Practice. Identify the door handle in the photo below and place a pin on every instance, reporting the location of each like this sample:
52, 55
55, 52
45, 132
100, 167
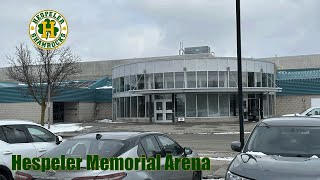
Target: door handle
7, 153
42, 150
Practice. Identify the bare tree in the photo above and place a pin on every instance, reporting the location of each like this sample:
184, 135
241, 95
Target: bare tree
45, 74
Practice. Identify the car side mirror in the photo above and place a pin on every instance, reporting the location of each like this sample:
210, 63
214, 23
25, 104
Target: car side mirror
58, 140
236, 146
187, 151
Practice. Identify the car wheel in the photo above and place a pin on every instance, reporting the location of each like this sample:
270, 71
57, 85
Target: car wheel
2, 177
197, 175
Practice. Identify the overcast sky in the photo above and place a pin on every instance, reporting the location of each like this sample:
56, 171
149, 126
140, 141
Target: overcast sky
114, 29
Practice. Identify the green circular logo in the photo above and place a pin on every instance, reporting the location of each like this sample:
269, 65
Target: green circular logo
48, 29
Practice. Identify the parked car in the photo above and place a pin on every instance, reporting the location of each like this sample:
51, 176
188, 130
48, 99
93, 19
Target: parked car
117, 144
23, 138
313, 112
279, 148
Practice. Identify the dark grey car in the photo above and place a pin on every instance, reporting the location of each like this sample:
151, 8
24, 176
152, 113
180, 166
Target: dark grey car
117, 144
279, 148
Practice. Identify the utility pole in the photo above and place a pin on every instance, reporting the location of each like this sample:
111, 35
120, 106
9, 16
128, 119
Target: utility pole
240, 93
49, 99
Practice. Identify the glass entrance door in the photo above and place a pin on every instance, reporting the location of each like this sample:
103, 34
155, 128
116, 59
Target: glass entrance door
163, 110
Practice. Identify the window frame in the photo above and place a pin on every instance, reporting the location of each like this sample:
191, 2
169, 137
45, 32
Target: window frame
22, 128
162, 147
143, 149
26, 128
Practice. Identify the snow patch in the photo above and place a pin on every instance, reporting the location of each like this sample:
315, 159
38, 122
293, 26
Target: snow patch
221, 133
314, 157
256, 153
105, 87
59, 128
108, 121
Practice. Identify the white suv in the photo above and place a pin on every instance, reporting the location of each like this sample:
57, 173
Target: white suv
23, 138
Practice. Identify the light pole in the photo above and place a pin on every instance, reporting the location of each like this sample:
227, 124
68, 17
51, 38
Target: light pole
240, 93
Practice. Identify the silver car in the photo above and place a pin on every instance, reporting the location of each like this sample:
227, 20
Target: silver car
117, 144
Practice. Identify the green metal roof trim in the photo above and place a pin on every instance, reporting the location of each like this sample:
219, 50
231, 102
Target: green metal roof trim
68, 94
299, 82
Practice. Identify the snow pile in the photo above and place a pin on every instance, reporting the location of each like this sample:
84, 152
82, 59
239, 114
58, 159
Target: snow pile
256, 153
105, 87
226, 133
314, 157
221, 158
59, 128
107, 121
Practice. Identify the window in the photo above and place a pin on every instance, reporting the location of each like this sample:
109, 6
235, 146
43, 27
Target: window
122, 107
202, 105
150, 146
140, 81
179, 77
121, 84
168, 80
126, 83
170, 147
259, 79
158, 80
201, 79
15, 134
127, 106
2, 137
133, 82
213, 105
224, 104
191, 105
264, 80
141, 105
212, 79
269, 80
233, 79
223, 79
234, 110
244, 79
134, 106
39, 134
250, 79
148, 81
180, 102
191, 79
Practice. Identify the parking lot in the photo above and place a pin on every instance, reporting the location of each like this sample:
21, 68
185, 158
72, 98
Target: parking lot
208, 139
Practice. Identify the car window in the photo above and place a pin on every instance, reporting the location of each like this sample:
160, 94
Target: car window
170, 146
313, 112
2, 137
150, 146
39, 134
15, 134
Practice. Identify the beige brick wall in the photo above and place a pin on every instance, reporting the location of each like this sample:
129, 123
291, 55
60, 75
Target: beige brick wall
71, 112
23, 111
103, 111
86, 112
293, 104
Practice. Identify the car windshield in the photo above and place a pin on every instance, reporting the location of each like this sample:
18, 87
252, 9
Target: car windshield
83, 147
285, 141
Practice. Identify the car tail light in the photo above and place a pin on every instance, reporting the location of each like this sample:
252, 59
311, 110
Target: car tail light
22, 176
115, 176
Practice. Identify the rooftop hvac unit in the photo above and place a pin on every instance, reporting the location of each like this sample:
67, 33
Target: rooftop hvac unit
197, 50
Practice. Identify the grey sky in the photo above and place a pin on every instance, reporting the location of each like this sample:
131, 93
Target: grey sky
113, 29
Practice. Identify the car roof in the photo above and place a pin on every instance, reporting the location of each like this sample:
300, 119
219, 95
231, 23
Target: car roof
292, 121
115, 135
15, 122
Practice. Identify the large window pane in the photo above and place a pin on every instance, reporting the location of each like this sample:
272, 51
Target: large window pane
148, 81
114, 86
127, 107
201, 79
179, 80
134, 106
233, 79
269, 80
126, 83
191, 105
180, 104
168, 80
202, 105
118, 107
244, 79
140, 81
191, 79
122, 107
121, 84
133, 82
158, 80
224, 104
250, 79
234, 110
141, 105
213, 105
223, 78
258, 79
264, 80
212, 79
